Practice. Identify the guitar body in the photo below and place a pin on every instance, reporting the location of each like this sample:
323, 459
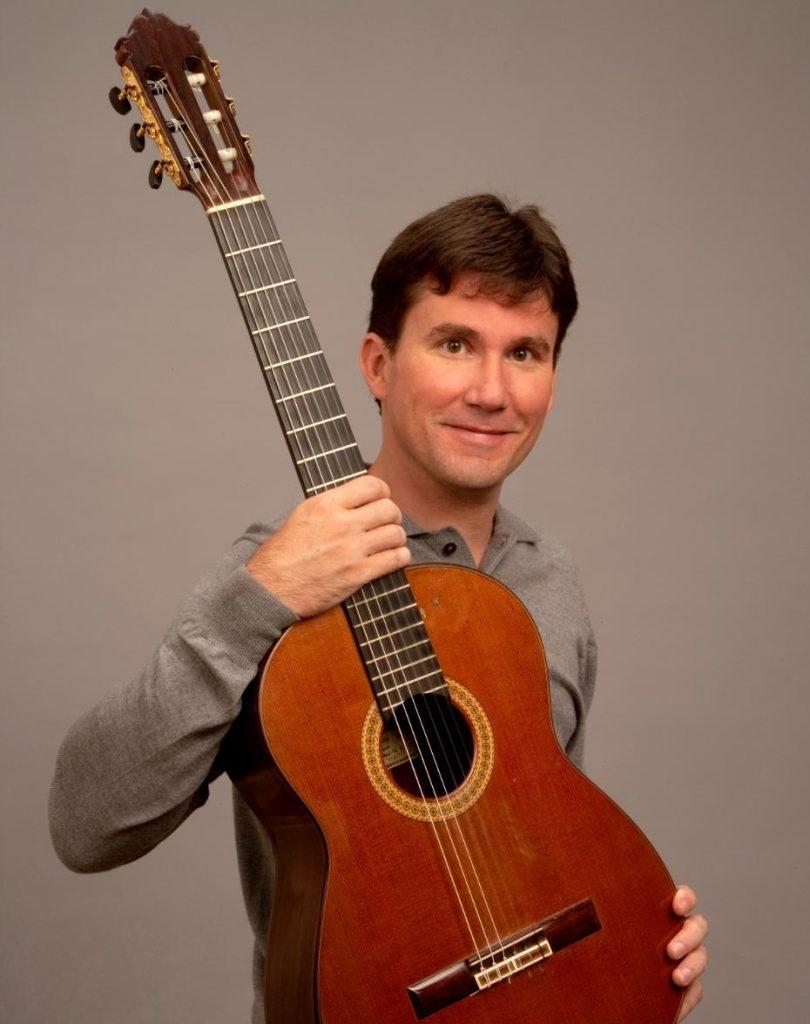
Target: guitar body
364, 907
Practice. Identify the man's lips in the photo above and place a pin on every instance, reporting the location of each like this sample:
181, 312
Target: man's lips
472, 428
482, 438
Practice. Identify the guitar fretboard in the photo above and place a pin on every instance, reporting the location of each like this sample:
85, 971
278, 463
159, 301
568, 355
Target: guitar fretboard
309, 408
388, 627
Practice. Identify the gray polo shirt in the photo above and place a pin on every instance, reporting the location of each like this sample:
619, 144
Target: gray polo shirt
133, 767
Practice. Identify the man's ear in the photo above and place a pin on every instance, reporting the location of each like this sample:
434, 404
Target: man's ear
374, 360
553, 391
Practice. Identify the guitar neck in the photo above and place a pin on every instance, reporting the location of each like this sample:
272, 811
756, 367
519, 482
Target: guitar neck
390, 634
309, 409
175, 85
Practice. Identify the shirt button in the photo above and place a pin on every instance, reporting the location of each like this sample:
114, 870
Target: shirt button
449, 549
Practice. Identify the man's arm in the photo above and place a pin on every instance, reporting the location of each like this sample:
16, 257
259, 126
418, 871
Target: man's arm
132, 768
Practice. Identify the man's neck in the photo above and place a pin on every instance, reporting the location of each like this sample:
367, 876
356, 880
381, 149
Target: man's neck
433, 506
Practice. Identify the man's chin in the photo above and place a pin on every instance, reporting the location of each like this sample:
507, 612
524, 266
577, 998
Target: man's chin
475, 476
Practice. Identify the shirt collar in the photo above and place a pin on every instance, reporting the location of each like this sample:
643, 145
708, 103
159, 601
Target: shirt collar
507, 526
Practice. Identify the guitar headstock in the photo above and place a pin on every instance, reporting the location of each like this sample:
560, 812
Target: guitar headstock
175, 86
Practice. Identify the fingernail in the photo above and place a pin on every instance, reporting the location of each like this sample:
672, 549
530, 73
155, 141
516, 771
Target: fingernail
676, 949
685, 973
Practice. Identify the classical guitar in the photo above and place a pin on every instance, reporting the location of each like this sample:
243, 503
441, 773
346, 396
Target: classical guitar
439, 858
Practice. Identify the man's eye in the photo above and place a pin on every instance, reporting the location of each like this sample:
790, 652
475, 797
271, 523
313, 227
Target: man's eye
523, 354
453, 344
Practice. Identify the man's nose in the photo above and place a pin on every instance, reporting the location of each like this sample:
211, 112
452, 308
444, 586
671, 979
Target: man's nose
487, 388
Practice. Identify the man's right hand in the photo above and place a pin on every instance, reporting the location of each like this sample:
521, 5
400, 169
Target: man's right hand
331, 545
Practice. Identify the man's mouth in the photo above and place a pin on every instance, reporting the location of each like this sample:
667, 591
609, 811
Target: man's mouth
474, 429
478, 435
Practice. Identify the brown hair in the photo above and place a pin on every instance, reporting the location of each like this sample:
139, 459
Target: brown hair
516, 253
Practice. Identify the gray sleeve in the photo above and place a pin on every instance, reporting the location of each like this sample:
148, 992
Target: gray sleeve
133, 767
587, 656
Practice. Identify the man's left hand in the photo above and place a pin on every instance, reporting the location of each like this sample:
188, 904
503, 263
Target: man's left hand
688, 948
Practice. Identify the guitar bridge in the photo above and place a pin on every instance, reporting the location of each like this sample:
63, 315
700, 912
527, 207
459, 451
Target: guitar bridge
513, 957
503, 960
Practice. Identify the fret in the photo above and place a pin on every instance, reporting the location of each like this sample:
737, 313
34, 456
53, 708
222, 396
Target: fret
251, 248
394, 704
265, 288
390, 633
410, 682
401, 668
376, 618
317, 423
309, 391
275, 327
320, 455
294, 359
377, 597
331, 483
399, 650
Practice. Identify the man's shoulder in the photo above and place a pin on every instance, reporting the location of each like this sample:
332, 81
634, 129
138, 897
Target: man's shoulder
546, 547
541, 566
546, 576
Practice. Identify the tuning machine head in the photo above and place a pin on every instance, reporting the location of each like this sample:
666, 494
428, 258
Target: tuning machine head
120, 100
137, 137
156, 174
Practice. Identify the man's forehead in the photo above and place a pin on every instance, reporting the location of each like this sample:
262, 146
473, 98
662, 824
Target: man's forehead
430, 304
471, 285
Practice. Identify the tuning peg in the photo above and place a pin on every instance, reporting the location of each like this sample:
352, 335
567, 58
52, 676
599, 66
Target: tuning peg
231, 105
156, 174
248, 142
215, 66
137, 137
119, 100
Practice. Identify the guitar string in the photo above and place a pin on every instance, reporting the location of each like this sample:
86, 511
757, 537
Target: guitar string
355, 607
256, 321
324, 483
482, 836
354, 604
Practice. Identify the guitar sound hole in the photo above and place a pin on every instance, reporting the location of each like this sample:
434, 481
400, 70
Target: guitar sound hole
429, 751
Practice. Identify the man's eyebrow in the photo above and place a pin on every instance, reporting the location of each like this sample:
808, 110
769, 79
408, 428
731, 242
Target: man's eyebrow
459, 330
535, 341
463, 331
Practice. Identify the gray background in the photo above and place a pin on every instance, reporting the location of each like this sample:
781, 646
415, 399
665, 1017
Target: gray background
669, 143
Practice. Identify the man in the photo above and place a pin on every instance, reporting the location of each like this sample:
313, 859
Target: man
470, 307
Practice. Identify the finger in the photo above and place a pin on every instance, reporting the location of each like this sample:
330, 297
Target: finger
377, 513
692, 996
384, 537
684, 900
691, 967
386, 561
694, 931
360, 491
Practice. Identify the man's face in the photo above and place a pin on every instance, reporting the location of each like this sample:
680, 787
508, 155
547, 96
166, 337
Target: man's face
467, 389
